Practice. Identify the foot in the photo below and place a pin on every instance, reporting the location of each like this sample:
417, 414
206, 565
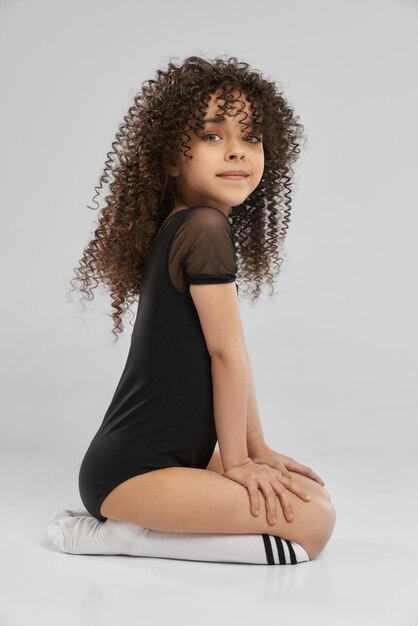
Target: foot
78, 532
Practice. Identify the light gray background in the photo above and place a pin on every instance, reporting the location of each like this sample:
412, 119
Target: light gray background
334, 353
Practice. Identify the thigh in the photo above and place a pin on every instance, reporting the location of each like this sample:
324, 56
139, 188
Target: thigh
190, 500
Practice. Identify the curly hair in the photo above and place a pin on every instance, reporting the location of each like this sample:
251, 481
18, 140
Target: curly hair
142, 193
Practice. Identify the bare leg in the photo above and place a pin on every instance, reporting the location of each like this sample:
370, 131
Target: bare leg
189, 500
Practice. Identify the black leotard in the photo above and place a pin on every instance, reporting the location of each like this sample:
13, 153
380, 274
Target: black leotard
161, 414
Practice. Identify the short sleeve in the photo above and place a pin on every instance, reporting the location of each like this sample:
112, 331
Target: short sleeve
202, 249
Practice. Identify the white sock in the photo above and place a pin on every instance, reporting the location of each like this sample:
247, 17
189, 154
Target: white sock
78, 532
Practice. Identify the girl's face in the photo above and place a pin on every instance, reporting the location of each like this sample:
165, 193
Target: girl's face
220, 147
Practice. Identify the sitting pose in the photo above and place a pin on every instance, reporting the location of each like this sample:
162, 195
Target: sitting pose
200, 196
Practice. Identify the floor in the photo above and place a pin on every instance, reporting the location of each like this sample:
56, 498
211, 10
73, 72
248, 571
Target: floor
366, 574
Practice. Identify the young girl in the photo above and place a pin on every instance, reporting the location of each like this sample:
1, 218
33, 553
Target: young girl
201, 174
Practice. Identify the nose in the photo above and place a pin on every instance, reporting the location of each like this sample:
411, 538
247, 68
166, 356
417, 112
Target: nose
235, 150
235, 154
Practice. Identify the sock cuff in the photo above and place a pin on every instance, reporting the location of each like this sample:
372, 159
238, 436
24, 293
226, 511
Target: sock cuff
283, 551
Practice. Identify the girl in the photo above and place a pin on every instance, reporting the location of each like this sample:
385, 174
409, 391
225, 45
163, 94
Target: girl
201, 173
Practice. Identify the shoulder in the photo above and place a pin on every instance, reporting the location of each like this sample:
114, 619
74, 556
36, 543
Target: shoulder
204, 232
207, 217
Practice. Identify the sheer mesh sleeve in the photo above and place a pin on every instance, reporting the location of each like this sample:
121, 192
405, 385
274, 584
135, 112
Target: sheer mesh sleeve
202, 249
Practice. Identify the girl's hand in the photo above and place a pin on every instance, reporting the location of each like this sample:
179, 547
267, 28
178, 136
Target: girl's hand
255, 477
283, 463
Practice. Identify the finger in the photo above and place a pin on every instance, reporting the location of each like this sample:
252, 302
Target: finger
311, 474
254, 500
297, 489
305, 471
271, 502
317, 478
284, 500
281, 468
285, 471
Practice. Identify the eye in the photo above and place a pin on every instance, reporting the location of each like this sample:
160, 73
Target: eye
258, 139
208, 135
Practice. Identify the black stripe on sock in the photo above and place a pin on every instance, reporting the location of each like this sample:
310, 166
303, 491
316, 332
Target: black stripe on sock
280, 550
268, 549
293, 558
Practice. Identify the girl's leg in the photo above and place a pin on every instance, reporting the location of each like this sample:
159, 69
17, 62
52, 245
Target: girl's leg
189, 500
76, 532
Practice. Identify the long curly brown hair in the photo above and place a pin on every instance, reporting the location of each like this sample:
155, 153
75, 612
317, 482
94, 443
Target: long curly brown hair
141, 193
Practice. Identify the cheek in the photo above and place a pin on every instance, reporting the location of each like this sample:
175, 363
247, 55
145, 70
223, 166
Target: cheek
203, 163
199, 154
196, 172
260, 165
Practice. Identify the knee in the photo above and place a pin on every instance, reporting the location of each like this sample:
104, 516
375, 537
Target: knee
313, 488
321, 528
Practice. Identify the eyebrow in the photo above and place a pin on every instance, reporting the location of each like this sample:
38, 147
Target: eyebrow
216, 119
213, 119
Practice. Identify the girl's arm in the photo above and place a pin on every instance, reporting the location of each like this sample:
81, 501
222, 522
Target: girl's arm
218, 309
230, 396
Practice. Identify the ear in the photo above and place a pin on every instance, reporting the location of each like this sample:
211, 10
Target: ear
172, 169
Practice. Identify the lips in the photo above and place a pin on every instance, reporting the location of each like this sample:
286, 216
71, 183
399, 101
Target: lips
235, 173
232, 178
